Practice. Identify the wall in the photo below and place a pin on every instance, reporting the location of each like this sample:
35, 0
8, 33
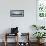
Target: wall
24, 23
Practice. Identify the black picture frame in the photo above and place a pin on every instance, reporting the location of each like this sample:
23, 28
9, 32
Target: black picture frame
17, 13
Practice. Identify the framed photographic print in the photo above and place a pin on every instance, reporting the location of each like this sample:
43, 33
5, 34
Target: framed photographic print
17, 13
41, 8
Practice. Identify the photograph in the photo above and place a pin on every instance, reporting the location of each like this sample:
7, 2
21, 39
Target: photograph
17, 13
